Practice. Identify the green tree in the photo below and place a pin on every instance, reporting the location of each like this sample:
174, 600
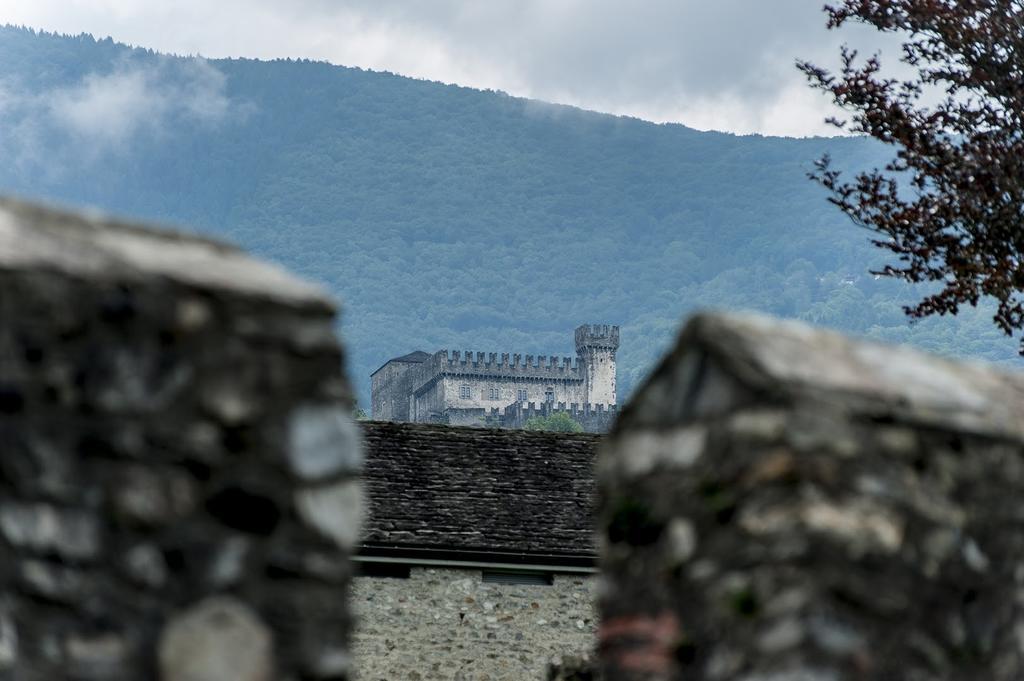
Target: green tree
559, 422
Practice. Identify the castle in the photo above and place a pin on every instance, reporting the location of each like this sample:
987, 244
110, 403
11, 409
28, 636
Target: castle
483, 390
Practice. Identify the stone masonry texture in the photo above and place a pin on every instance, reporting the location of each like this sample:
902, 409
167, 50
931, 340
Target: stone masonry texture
179, 486
780, 503
447, 624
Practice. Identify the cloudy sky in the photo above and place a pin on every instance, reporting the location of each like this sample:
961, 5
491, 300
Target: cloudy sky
710, 64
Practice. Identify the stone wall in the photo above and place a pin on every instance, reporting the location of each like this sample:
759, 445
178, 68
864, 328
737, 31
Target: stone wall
564, 390
178, 489
444, 623
782, 503
592, 418
596, 345
391, 390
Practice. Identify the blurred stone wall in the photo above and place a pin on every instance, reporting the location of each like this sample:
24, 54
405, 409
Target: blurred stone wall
782, 503
178, 470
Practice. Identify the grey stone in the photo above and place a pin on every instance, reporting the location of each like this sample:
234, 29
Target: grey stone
8, 642
71, 533
145, 564
228, 564
763, 425
218, 639
836, 637
192, 315
331, 663
335, 510
153, 496
322, 442
643, 452
681, 541
230, 402
786, 633
805, 674
974, 556
96, 656
53, 582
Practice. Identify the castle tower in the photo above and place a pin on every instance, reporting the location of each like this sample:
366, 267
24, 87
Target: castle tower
596, 345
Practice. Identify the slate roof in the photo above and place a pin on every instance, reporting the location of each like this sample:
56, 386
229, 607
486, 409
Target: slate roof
726, 361
479, 494
414, 357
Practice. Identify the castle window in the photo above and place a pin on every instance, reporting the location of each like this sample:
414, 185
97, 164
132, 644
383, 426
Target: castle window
464, 392
495, 393
521, 395
549, 395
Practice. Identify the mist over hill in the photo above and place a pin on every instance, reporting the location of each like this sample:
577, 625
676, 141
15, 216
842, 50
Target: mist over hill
449, 217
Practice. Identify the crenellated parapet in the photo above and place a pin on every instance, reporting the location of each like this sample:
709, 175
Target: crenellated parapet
512, 365
531, 409
601, 336
595, 418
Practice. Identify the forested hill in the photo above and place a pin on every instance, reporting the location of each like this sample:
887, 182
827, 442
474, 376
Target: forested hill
449, 217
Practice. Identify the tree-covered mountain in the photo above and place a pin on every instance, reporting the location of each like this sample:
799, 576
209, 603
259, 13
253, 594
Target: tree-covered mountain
449, 217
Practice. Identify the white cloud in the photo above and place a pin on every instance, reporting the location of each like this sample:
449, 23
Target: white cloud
724, 64
107, 112
110, 109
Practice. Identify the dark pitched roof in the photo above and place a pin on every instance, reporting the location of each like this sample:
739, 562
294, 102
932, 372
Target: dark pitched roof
414, 357
475, 493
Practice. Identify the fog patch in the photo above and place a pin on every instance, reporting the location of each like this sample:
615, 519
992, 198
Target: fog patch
49, 131
110, 110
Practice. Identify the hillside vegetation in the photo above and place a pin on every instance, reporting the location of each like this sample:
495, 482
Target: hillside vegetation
449, 217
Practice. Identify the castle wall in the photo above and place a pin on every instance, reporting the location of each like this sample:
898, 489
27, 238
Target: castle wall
596, 345
592, 418
492, 364
427, 405
599, 384
508, 388
443, 623
391, 386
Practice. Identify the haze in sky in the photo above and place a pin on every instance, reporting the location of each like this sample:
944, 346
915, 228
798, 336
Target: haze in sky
709, 64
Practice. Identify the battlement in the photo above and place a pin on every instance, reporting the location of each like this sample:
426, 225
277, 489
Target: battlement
594, 418
548, 408
597, 336
506, 363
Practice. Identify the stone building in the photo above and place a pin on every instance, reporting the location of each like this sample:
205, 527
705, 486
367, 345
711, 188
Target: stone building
483, 389
477, 555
